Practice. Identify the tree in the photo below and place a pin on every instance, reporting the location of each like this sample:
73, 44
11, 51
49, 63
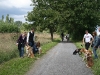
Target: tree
43, 16
7, 18
83, 15
3, 18
75, 16
18, 23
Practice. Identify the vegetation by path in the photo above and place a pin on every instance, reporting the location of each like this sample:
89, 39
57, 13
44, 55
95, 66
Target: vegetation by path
96, 67
19, 66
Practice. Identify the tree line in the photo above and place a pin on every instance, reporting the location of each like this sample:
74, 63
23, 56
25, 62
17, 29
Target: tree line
8, 25
72, 16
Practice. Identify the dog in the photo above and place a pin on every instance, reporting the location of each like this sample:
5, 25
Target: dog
83, 50
88, 56
29, 51
77, 51
38, 47
89, 59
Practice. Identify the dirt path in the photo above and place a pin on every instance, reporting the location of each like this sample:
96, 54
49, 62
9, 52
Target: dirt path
60, 61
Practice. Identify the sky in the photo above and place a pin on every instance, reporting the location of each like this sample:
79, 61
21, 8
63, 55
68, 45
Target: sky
16, 9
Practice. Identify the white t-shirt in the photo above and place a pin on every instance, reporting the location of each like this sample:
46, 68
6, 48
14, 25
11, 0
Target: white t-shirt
88, 37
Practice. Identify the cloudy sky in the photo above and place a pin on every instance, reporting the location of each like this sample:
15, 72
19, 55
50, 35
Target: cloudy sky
16, 9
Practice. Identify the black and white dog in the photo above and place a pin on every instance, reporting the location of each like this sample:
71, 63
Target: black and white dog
77, 51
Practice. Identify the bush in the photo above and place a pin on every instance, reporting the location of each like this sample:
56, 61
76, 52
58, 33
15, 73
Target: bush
8, 28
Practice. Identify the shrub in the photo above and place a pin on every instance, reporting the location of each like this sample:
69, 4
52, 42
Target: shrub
8, 28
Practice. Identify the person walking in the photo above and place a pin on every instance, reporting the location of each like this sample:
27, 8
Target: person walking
95, 41
87, 39
21, 44
62, 36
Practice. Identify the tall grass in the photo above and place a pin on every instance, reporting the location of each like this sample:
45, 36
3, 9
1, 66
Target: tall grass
19, 66
8, 48
96, 67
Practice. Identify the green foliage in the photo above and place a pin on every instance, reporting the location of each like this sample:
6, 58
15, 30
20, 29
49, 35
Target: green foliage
75, 16
96, 67
5, 56
8, 26
19, 66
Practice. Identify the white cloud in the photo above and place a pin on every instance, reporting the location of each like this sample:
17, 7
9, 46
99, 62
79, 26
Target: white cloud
15, 8
16, 3
18, 17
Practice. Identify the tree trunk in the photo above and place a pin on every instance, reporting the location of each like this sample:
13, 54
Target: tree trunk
51, 32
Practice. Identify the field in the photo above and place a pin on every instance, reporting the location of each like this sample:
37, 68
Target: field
8, 48
16, 65
8, 40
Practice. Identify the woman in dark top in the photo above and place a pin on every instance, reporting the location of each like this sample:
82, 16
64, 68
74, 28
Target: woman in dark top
21, 44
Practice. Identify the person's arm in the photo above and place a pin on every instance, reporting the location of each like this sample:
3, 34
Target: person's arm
98, 43
27, 38
34, 38
83, 39
92, 39
18, 39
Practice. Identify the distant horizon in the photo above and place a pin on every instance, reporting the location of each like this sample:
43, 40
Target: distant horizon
13, 18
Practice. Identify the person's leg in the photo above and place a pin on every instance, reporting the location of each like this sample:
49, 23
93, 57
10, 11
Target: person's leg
22, 51
30, 44
94, 52
88, 45
19, 48
34, 48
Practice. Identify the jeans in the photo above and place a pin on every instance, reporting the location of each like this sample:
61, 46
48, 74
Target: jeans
35, 49
87, 45
95, 54
31, 44
21, 52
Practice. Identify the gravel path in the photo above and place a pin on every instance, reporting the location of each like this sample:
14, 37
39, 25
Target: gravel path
60, 61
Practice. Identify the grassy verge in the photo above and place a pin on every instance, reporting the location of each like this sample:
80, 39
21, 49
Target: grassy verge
19, 66
6, 56
96, 67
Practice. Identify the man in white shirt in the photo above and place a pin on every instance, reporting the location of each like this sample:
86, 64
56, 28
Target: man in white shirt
87, 39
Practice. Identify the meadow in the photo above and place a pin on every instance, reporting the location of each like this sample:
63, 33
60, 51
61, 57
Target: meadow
8, 47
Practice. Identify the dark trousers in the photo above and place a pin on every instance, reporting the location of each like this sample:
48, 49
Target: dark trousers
62, 38
87, 45
33, 45
21, 50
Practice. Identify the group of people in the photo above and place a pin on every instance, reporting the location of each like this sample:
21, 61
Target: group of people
26, 39
62, 36
93, 40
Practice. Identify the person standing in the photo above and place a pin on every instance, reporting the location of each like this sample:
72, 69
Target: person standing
21, 44
62, 36
87, 39
95, 41
30, 38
